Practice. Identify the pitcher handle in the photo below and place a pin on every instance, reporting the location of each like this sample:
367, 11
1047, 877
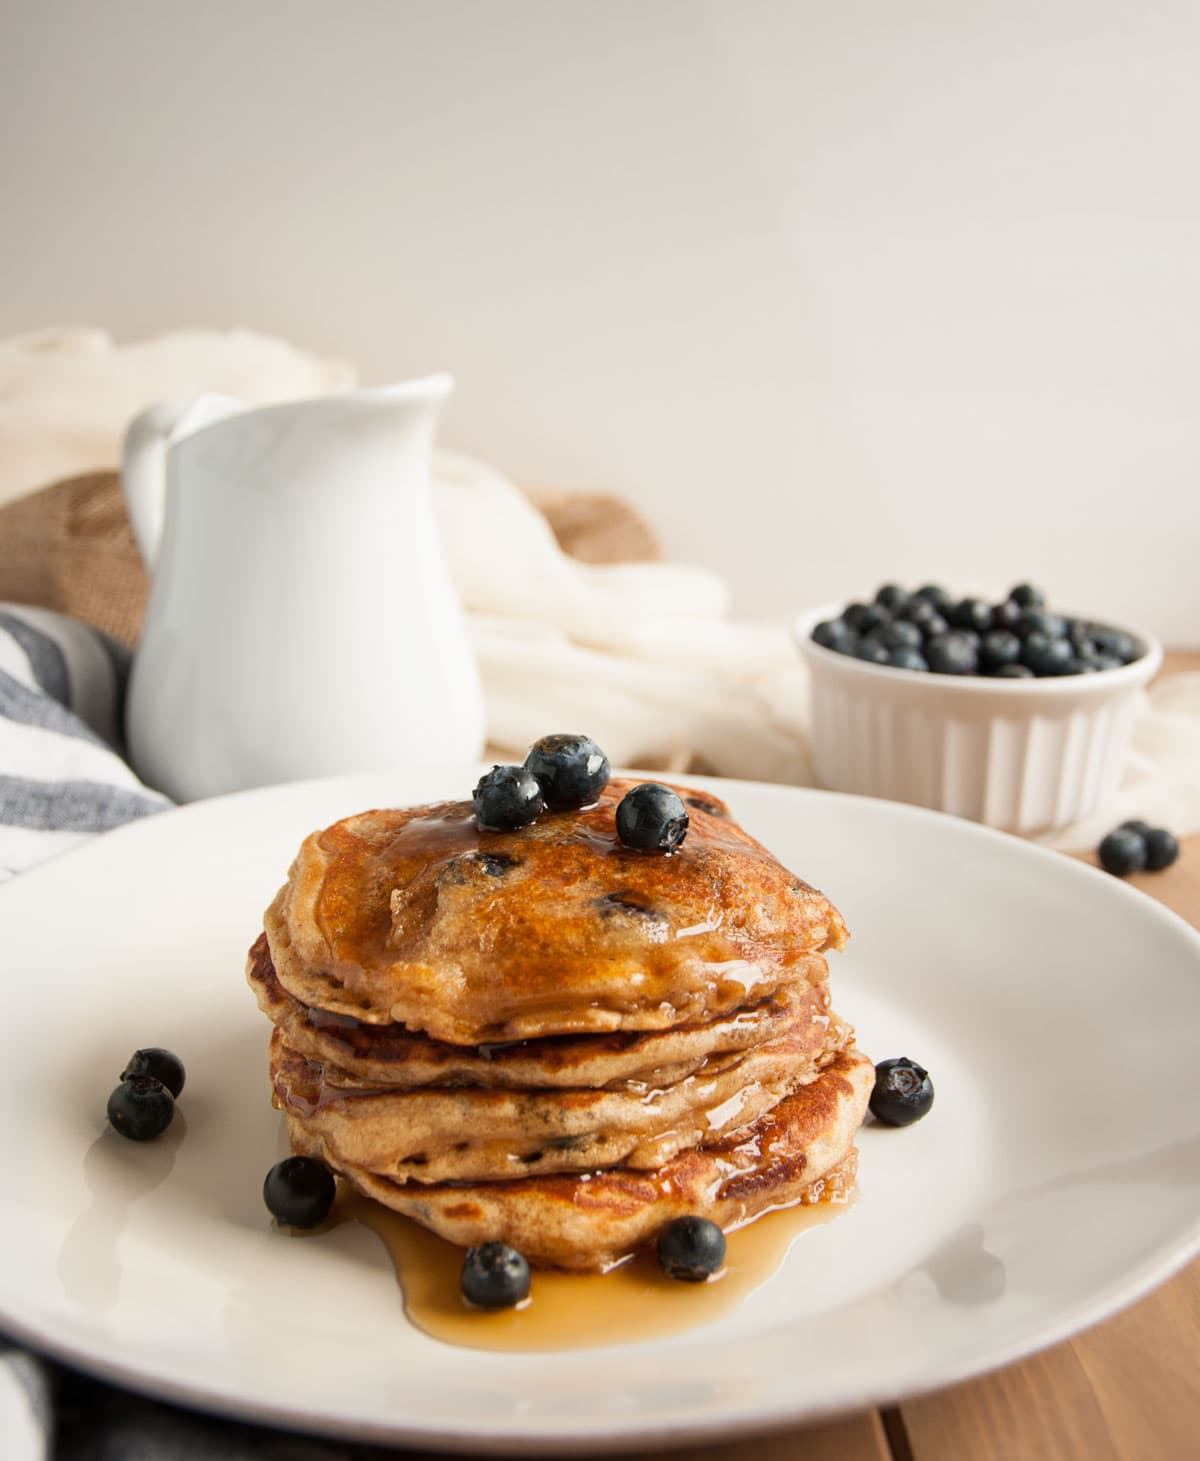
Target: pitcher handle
148, 438
144, 472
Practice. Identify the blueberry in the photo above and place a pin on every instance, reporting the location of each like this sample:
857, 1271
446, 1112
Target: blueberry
1117, 643
1037, 621
652, 818
835, 634
1027, 596
903, 1092
891, 597
1012, 672
971, 614
900, 634
1123, 852
872, 650
936, 597
920, 612
1161, 849
495, 1276
1046, 656
1005, 615
951, 654
141, 1108
691, 1249
571, 770
1001, 647
163, 1065
862, 618
1143, 829
506, 798
299, 1191
1103, 661
906, 658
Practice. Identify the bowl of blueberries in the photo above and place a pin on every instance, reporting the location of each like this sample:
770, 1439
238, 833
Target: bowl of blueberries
1005, 712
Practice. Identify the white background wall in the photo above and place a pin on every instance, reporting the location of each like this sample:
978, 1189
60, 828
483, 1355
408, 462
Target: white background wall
835, 291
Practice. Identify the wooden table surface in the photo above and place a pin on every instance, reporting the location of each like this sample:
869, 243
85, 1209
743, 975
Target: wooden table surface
1127, 1390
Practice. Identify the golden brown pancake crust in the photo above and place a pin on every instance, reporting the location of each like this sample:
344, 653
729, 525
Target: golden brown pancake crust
391, 1055
458, 1133
801, 1150
417, 917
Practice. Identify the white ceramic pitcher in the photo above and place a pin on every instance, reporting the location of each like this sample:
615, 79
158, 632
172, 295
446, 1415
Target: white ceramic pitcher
301, 620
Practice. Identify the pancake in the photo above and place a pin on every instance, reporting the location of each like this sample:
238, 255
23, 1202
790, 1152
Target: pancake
549, 1039
461, 1133
802, 1150
417, 917
391, 1055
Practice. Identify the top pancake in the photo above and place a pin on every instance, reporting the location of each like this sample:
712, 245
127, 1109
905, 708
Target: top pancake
418, 917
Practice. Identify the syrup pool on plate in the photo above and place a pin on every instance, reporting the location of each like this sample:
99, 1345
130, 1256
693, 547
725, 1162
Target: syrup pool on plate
631, 1303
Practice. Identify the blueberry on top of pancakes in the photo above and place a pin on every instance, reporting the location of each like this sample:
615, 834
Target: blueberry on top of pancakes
572, 770
506, 798
652, 818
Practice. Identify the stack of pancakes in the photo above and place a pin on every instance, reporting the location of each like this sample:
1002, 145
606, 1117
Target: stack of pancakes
546, 1038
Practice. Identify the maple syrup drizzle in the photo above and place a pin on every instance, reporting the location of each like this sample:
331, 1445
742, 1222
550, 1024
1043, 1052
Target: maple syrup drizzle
631, 1303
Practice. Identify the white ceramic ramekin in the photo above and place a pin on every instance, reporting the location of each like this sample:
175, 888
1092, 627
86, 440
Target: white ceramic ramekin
1022, 755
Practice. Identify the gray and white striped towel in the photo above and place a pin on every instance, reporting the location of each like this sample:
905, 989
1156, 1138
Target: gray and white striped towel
62, 777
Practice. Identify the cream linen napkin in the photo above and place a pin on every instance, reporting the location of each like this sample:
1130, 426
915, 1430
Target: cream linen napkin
67, 394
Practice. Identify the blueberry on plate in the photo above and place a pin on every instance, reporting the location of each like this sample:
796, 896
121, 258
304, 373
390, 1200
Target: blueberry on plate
1027, 596
835, 634
952, 654
906, 658
872, 649
999, 648
299, 1191
506, 798
140, 1108
495, 1276
163, 1065
1123, 852
691, 1249
571, 770
1161, 849
1046, 656
652, 818
903, 1092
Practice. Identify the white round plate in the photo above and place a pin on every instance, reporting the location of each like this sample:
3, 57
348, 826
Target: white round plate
1056, 1178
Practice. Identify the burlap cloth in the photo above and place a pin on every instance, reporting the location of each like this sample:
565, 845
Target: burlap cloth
70, 547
